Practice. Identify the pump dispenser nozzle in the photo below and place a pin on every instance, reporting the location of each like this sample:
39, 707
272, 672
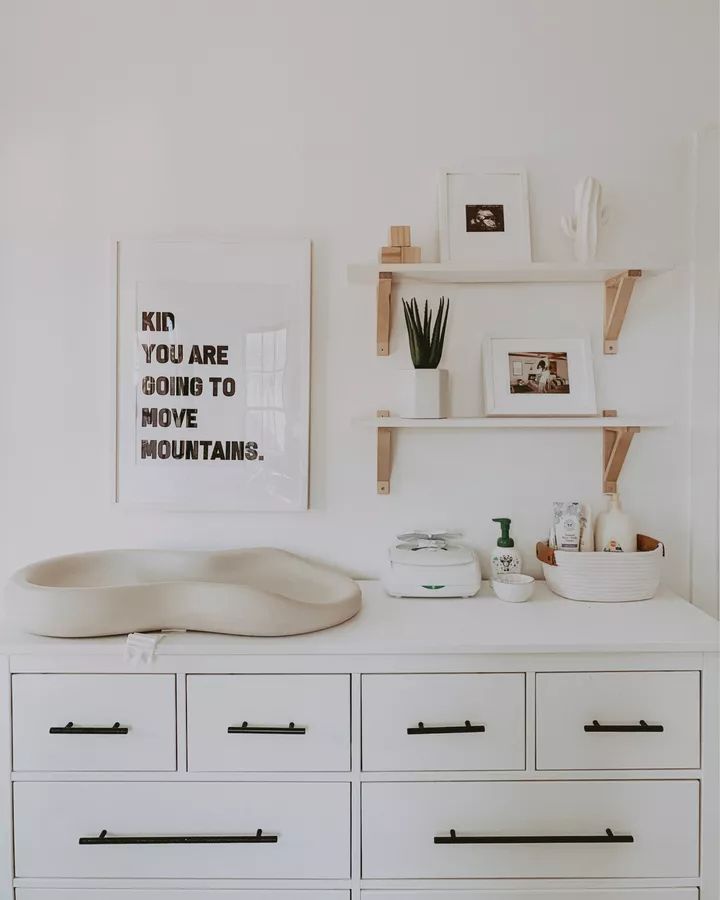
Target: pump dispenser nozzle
504, 540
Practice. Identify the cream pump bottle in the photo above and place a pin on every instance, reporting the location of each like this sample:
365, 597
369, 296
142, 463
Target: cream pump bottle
614, 529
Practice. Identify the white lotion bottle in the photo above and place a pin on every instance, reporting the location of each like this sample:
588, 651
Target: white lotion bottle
614, 529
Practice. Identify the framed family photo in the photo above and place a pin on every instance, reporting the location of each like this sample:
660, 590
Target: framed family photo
484, 217
539, 377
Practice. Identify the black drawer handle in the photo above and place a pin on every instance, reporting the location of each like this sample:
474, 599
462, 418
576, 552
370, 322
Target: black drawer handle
640, 728
467, 728
71, 728
292, 728
257, 838
608, 838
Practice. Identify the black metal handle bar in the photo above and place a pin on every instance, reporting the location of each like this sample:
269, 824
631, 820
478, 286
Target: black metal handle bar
608, 838
641, 727
467, 728
257, 838
71, 728
292, 728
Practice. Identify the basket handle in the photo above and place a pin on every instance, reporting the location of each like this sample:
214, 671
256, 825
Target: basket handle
545, 554
647, 544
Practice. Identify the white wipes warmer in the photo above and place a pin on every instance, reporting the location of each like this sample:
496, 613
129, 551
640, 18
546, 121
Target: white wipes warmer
428, 564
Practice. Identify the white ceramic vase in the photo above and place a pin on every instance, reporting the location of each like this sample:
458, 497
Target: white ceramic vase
424, 393
582, 228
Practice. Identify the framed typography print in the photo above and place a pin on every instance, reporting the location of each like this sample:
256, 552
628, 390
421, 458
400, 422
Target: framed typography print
213, 374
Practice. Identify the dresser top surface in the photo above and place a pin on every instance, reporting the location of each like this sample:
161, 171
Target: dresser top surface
478, 625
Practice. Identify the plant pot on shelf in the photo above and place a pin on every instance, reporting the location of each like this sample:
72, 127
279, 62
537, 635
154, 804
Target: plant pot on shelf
424, 394
425, 388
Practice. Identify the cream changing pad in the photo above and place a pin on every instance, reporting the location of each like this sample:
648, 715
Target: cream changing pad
261, 591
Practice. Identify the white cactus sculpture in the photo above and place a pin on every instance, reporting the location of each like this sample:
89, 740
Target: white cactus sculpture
589, 216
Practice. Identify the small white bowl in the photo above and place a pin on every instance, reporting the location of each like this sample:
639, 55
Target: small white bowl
514, 588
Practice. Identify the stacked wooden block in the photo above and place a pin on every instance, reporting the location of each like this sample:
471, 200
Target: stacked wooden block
401, 249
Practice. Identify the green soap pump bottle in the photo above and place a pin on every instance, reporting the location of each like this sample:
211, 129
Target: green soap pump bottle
505, 559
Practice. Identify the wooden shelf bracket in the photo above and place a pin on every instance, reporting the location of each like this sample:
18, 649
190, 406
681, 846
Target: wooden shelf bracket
384, 455
618, 291
384, 313
616, 443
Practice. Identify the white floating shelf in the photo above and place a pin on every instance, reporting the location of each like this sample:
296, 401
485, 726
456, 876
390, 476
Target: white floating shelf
472, 273
618, 433
509, 422
618, 281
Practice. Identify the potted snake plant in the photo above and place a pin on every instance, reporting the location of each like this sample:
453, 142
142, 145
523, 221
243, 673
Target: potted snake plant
425, 394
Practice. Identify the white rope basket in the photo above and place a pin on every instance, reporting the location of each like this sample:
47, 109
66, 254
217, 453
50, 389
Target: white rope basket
604, 577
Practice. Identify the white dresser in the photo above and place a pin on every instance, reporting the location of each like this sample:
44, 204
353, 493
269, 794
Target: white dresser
427, 750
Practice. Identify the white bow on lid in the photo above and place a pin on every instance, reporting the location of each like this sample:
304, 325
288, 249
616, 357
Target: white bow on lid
426, 540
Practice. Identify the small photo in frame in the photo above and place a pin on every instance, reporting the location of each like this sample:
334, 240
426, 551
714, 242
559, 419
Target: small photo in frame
538, 372
488, 217
539, 377
484, 217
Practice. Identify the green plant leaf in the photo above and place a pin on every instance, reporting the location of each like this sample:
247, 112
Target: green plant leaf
426, 333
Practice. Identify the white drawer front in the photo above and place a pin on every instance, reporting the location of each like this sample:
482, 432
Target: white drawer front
400, 822
145, 894
565, 894
576, 710
311, 822
142, 704
392, 704
319, 704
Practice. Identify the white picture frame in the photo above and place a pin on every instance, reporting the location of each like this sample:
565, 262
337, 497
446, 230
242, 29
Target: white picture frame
557, 377
484, 216
237, 439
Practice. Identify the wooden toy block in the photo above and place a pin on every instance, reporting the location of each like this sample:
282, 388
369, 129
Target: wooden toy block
411, 254
400, 236
391, 254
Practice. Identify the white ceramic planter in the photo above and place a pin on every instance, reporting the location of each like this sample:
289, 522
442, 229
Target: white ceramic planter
424, 393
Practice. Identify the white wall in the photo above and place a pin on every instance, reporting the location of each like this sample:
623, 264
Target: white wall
330, 119
705, 406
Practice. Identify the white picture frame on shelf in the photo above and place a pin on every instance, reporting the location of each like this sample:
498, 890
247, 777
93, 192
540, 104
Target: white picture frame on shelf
485, 217
213, 374
539, 377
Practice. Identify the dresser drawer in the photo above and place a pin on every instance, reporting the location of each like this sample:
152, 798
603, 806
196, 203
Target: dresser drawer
305, 830
593, 720
213, 894
564, 894
270, 723
497, 826
119, 723
419, 722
